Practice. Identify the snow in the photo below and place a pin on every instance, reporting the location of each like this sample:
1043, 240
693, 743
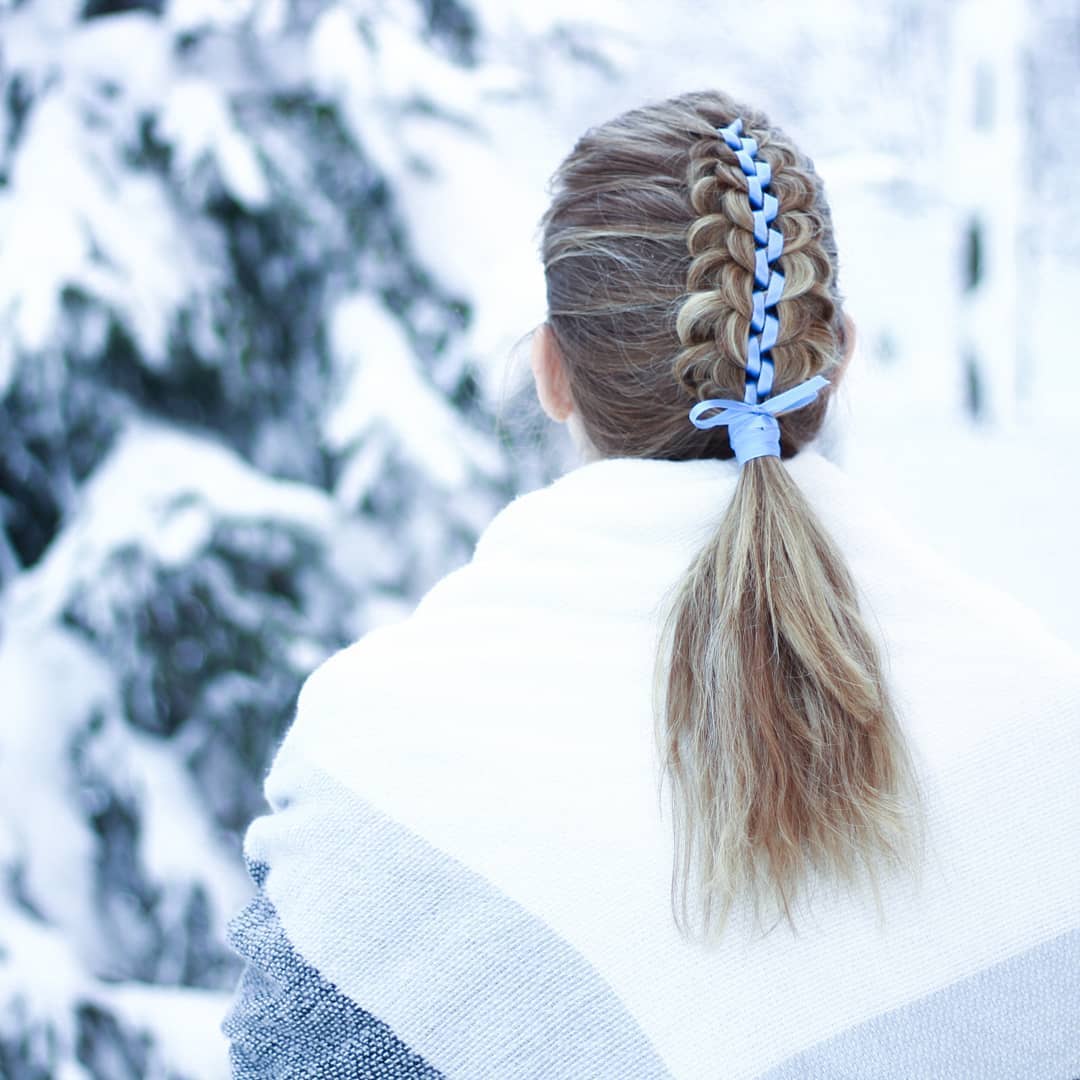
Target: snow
42, 973
535, 20
82, 225
191, 16
176, 841
1003, 506
41, 242
158, 491
480, 221
343, 68
44, 976
384, 388
196, 121
51, 683
407, 70
99, 51
191, 1043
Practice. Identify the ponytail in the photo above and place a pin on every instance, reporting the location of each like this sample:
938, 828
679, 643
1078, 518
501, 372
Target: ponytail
777, 733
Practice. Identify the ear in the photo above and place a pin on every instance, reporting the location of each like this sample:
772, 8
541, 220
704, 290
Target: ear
849, 337
849, 346
549, 372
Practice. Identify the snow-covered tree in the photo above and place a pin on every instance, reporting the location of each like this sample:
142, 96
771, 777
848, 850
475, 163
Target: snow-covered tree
240, 423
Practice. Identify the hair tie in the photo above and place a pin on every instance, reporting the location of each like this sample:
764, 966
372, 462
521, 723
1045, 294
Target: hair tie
752, 427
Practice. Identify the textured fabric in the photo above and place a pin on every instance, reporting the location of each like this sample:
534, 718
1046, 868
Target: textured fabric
467, 840
287, 1021
425, 933
992, 1025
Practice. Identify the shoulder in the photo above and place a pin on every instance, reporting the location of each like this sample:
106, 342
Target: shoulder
968, 660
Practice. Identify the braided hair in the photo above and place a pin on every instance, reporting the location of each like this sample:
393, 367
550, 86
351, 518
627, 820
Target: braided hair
775, 725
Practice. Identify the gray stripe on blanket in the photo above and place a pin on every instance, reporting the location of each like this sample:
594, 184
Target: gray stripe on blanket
462, 974
1019, 1018
286, 1021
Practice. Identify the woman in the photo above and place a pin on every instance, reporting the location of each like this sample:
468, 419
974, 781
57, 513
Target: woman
864, 863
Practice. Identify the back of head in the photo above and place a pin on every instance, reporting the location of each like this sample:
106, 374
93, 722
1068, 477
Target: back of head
775, 723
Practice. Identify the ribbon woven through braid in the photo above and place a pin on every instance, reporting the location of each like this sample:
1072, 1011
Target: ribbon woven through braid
752, 426
769, 244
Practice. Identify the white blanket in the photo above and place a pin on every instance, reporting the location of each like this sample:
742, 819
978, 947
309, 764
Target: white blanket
468, 866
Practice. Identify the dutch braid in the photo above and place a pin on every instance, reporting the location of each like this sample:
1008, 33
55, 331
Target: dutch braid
774, 721
714, 322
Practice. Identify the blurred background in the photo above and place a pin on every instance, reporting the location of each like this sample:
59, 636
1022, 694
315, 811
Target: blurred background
265, 269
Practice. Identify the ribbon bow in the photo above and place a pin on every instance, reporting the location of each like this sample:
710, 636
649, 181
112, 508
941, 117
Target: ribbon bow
753, 429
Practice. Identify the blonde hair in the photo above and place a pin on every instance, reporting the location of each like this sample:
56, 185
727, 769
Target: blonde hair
775, 724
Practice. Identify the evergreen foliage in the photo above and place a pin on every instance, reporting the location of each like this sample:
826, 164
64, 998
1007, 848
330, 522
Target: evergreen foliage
238, 427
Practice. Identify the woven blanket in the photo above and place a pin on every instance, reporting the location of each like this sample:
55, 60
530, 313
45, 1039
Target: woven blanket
466, 869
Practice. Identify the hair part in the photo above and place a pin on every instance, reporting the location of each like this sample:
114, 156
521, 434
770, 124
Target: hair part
775, 725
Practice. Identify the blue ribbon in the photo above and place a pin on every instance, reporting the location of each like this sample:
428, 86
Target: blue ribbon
752, 427
769, 245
